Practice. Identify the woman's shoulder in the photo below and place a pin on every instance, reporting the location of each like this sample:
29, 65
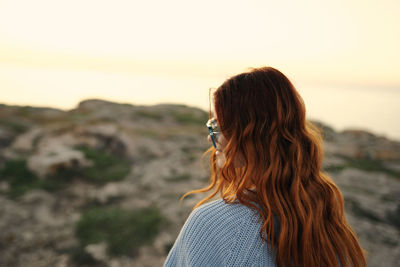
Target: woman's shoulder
220, 234
222, 222
219, 211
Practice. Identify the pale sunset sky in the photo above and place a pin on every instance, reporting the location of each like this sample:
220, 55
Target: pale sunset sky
342, 55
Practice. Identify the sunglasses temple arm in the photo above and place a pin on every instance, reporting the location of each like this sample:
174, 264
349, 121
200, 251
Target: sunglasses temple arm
212, 137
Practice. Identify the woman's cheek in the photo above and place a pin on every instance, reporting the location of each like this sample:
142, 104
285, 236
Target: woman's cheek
220, 158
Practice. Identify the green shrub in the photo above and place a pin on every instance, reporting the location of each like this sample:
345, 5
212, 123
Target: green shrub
124, 231
190, 118
79, 116
82, 258
334, 168
365, 164
148, 114
19, 177
14, 125
60, 179
178, 177
106, 167
149, 133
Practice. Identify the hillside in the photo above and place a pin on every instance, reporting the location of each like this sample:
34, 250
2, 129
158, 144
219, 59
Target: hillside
99, 185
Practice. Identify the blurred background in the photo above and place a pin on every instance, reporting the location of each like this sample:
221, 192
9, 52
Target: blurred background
103, 106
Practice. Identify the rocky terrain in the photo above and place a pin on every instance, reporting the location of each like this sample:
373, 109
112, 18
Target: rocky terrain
99, 185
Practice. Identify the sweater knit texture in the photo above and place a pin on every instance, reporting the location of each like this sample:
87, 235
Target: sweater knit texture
221, 234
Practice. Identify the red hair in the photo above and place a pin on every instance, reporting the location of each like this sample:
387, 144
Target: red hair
263, 118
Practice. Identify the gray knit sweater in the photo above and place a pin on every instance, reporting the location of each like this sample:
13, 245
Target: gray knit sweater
220, 234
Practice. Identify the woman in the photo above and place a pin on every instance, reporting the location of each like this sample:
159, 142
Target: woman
277, 207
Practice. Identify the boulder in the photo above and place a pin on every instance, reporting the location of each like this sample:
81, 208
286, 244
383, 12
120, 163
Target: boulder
26, 141
98, 251
50, 160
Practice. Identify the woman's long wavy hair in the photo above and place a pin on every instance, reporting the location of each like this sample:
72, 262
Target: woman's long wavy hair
263, 118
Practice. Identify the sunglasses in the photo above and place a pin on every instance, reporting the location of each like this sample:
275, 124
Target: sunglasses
213, 130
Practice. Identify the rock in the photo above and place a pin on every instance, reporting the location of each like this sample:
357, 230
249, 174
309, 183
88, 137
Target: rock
105, 137
62, 261
98, 251
387, 153
50, 160
37, 197
346, 149
95, 104
25, 141
102, 110
42, 204
363, 145
112, 190
4, 187
333, 161
327, 132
